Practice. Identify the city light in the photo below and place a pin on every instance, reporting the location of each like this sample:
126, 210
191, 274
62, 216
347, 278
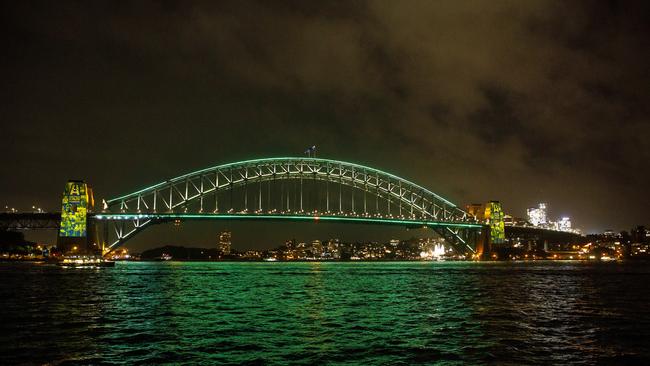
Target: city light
537, 215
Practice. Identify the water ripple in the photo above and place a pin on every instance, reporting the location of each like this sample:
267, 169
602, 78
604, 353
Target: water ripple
326, 313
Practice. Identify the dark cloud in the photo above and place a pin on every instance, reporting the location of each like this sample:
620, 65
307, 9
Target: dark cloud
510, 100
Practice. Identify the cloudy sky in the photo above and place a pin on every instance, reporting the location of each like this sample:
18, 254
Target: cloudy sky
517, 101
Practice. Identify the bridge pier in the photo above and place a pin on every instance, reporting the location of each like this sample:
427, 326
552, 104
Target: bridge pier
77, 234
484, 244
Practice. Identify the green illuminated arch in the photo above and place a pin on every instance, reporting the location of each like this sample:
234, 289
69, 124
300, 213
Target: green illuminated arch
404, 200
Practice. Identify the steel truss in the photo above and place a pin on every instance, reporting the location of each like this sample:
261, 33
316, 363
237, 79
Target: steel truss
30, 221
277, 186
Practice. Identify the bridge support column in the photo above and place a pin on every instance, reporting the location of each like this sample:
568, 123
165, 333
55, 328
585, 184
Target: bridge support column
76, 235
483, 244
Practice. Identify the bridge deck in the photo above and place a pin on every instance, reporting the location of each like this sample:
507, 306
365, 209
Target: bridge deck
30, 220
291, 217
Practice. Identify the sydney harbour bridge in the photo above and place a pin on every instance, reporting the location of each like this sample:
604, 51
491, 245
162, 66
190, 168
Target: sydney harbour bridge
303, 189
297, 189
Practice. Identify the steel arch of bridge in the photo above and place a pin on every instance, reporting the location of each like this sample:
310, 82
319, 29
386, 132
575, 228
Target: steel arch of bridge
197, 196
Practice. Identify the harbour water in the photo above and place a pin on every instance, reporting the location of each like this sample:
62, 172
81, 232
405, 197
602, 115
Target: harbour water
362, 313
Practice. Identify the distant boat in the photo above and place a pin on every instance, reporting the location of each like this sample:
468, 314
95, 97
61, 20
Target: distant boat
163, 257
85, 262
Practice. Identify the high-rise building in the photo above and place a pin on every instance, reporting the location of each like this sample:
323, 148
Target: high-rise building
317, 248
537, 215
225, 242
564, 224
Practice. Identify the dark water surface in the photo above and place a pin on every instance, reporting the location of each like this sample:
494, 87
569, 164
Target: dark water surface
327, 313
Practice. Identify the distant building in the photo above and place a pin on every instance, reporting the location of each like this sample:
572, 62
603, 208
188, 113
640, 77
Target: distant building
537, 215
333, 248
564, 224
508, 220
477, 211
225, 242
251, 254
640, 235
316, 248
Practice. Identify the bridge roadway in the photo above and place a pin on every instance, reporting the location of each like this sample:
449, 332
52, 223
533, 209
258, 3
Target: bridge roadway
30, 220
52, 221
358, 219
527, 233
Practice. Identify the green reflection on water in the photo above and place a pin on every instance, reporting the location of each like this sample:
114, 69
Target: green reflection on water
280, 312
326, 313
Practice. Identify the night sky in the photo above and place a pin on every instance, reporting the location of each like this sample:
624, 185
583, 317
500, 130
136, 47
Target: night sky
517, 101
